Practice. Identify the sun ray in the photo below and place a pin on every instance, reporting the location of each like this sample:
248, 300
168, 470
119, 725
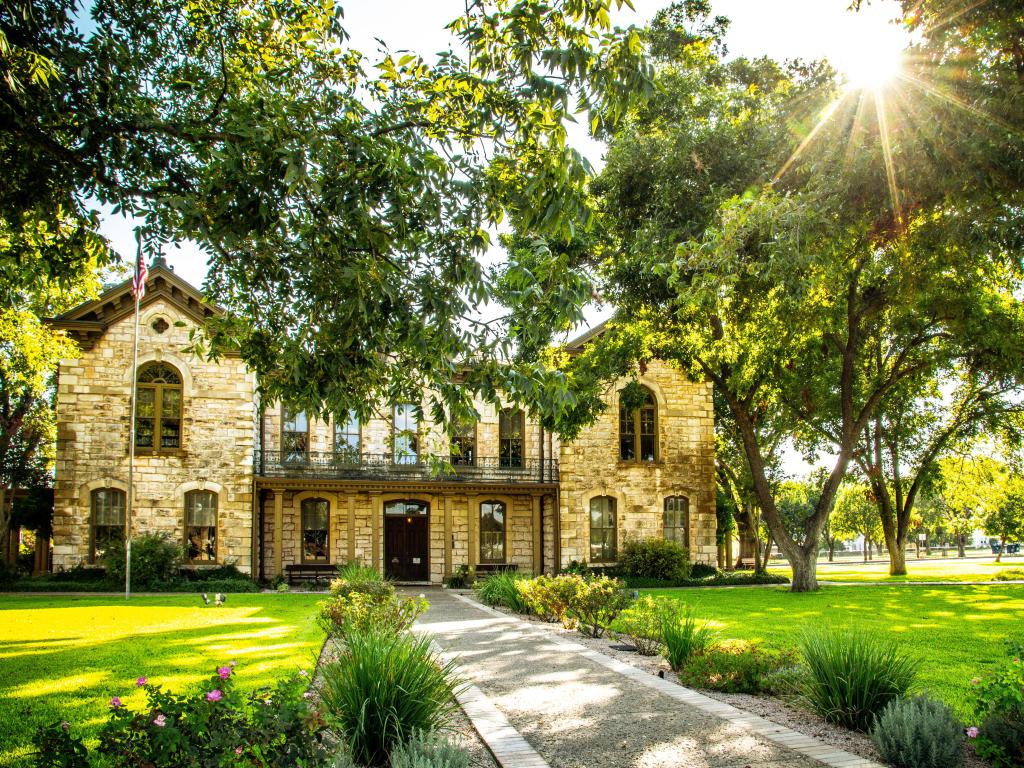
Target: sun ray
826, 115
934, 90
890, 168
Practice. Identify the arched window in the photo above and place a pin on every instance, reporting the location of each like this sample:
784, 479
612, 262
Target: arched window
464, 444
201, 526
158, 409
511, 428
638, 435
315, 531
294, 435
347, 445
492, 532
677, 520
106, 524
602, 530
406, 434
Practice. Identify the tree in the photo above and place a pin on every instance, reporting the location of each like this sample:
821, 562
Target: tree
1005, 518
856, 514
343, 201
780, 274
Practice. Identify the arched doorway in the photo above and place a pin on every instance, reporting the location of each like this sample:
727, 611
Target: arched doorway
407, 540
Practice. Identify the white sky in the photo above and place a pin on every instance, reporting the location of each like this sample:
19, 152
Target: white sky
781, 29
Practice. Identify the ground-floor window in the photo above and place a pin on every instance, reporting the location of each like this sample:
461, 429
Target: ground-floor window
315, 527
201, 526
677, 520
602, 530
492, 532
107, 524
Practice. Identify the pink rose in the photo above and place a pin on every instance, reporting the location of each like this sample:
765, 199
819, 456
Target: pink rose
115, 703
224, 672
160, 720
972, 732
214, 695
141, 681
238, 750
232, 663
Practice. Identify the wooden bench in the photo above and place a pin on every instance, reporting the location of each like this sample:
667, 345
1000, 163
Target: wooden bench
315, 572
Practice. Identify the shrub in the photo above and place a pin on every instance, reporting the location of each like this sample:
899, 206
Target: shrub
383, 689
502, 589
736, 667
595, 604
1010, 574
683, 636
155, 560
853, 676
228, 571
787, 682
548, 597
429, 750
461, 578
356, 571
703, 571
640, 625
212, 726
654, 559
577, 568
921, 732
363, 606
226, 586
1000, 704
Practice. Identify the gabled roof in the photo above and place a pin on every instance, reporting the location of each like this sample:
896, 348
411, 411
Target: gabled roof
577, 344
89, 321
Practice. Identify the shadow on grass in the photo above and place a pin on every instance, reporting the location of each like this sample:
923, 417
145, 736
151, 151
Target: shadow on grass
47, 680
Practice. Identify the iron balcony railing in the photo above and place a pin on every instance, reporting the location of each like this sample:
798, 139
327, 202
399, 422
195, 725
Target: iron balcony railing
387, 467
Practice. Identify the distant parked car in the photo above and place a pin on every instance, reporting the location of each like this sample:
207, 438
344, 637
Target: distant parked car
1011, 548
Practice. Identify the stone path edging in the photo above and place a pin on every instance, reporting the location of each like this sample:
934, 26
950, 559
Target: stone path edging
506, 744
797, 742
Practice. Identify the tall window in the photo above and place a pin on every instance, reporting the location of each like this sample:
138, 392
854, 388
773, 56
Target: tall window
677, 520
638, 430
158, 409
201, 526
346, 438
294, 434
464, 443
315, 538
107, 520
602, 530
406, 434
511, 428
492, 532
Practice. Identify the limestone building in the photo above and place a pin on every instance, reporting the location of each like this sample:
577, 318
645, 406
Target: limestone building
236, 480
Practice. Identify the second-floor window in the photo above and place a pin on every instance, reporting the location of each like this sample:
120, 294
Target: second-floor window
511, 428
158, 409
346, 438
406, 437
294, 434
464, 444
638, 436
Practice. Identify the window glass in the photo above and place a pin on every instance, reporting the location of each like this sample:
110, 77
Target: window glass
108, 506
602, 529
406, 435
638, 433
201, 526
158, 408
677, 520
464, 444
510, 438
294, 434
406, 508
346, 438
492, 532
315, 519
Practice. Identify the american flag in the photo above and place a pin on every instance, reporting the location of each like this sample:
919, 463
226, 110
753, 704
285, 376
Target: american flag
139, 281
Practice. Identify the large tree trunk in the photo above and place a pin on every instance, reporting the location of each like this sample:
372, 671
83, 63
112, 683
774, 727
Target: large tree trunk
805, 577
897, 560
831, 550
767, 555
960, 545
1002, 547
6, 498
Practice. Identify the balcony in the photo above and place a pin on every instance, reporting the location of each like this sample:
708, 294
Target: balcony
384, 468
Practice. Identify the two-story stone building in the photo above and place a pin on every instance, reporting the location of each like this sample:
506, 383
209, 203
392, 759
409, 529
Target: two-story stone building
236, 480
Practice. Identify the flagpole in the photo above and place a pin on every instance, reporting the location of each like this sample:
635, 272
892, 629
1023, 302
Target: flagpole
131, 433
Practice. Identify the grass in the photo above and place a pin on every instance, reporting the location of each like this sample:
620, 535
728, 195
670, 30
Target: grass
947, 569
64, 657
956, 631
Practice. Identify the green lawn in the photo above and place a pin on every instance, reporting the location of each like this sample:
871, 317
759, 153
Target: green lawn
956, 631
62, 658
946, 569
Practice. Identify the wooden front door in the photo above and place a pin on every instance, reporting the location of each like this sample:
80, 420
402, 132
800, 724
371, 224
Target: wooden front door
406, 541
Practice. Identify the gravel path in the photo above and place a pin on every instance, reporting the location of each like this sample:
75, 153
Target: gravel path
580, 714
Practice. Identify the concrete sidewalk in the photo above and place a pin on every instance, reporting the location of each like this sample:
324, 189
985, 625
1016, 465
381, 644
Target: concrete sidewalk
578, 708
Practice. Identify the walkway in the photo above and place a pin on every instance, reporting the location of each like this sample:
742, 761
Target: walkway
577, 708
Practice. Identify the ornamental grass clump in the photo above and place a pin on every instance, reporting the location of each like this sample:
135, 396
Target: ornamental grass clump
383, 689
502, 589
921, 732
852, 676
356, 571
683, 636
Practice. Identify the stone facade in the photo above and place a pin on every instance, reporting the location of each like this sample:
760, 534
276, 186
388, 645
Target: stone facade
228, 439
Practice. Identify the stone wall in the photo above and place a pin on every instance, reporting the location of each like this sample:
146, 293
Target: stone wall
93, 434
685, 466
